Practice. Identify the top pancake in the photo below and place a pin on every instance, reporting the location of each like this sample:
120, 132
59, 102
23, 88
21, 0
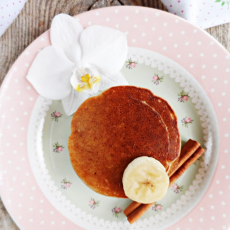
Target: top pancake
168, 115
108, 132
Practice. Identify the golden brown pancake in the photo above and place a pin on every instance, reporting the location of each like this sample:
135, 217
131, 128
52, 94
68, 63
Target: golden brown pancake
108, 132
166, 112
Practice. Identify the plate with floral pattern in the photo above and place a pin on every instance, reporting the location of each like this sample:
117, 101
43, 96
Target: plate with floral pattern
49, 130
167, 55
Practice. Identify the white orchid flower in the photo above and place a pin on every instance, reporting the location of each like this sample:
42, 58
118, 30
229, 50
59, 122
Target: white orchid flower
79, 62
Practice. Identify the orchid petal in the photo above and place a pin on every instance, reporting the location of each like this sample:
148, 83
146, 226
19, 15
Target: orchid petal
108, 81
73, 101
65, 33
104, 48
50, 73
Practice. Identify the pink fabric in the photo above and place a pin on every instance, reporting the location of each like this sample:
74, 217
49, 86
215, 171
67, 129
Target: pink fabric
202, 13
9, 10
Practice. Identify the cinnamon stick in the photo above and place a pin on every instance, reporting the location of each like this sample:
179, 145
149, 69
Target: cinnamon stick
199, 152
133, 206
136, 214
187, 150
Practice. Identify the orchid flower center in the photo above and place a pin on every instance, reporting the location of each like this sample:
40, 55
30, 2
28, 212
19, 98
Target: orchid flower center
85, 80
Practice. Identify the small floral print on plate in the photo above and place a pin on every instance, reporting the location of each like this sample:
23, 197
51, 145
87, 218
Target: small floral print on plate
65, 184
157, 79
183, 96
157, 207
93, 204
176, 188
58, 148
186, 121
56, 115
130, 64
116, 211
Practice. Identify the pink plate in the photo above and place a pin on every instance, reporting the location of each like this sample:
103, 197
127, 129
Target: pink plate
146, 28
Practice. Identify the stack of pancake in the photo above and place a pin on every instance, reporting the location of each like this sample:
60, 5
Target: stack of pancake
112, 129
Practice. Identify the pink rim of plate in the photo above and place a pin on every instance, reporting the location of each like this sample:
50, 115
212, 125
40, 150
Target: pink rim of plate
146, 28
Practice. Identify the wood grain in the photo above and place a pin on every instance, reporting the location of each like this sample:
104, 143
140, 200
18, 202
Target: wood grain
35, 18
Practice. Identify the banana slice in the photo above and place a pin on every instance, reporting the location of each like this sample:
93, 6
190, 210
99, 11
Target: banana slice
145, 180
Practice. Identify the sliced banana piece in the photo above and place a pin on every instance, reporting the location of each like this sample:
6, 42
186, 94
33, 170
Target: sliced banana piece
145, 180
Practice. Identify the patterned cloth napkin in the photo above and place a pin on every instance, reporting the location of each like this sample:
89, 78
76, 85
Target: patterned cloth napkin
9, 10
202, 13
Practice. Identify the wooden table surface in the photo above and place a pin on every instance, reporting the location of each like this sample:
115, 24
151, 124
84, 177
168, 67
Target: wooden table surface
35, 18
